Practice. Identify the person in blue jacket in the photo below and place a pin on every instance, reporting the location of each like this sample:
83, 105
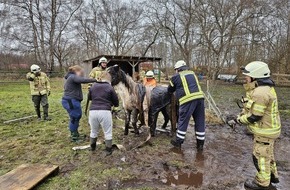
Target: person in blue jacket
73, 95
191, 104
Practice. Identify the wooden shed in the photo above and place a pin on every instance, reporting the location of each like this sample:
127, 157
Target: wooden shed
129, 64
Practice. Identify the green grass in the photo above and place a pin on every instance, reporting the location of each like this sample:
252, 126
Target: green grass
30, 141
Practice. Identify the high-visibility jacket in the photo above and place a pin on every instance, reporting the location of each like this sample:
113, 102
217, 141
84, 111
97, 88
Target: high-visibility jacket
40, 84
186, 85
262, 101
96, 73
149, 82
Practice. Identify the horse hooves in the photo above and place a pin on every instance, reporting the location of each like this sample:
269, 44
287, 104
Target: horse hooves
126, 133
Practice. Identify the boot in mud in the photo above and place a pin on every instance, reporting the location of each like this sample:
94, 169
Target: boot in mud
93, 144
252, 185
274, 179
109, 149
176, 143
199, 145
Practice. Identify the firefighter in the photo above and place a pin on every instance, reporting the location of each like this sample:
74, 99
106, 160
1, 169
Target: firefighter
149, 79
97, 71
262, 118
40, 89
191, 103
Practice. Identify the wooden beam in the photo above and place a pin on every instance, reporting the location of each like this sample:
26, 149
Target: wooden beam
26, 176
19, 119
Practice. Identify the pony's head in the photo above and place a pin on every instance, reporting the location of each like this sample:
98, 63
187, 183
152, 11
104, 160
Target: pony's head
117, 75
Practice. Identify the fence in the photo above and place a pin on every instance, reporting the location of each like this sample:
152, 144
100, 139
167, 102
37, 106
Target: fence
281, 79
16, 75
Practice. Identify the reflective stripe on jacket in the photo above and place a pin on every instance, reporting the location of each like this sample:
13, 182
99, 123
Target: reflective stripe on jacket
40, 85
263, 102
186, 85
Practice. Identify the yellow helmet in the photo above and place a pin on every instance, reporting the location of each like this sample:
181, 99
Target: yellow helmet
149, 74
257, 69
179, 64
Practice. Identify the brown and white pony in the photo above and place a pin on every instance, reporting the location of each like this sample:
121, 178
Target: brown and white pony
132, 95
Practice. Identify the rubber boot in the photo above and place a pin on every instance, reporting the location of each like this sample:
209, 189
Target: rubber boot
199, 145
45, 113
176, 143
109, 149
251, 184
274, 179
93, 142
38, 114
74, 136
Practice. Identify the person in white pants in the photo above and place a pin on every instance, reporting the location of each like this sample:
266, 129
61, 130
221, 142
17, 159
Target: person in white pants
103, 97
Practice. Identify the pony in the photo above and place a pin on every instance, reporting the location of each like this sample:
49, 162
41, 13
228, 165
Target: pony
132, 95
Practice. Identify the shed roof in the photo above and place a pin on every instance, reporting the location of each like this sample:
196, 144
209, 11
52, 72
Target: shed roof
125, 58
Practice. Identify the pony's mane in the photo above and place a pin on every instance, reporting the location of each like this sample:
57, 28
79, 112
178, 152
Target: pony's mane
128, 81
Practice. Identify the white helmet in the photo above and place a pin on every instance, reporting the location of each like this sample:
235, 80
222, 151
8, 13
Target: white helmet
35, 68
149, 74
179, 64
257, 69
103, 60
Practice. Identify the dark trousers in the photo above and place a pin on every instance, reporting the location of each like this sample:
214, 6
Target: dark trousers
40, 100
190, 109
74, 110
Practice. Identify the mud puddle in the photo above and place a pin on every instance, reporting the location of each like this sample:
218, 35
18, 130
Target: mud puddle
190, 179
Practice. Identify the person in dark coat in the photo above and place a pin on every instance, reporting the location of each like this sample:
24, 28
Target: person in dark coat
103, 97
73, 95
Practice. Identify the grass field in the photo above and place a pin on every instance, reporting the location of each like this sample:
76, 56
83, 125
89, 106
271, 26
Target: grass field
48, 143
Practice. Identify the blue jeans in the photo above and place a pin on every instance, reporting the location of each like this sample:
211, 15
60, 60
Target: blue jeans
190, 109
74, 109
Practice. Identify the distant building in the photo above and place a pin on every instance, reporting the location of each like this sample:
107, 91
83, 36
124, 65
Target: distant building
129, 64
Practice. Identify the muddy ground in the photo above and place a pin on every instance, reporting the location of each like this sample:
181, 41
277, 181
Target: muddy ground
224, 165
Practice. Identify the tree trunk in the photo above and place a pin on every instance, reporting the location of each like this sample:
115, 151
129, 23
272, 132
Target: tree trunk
51, 35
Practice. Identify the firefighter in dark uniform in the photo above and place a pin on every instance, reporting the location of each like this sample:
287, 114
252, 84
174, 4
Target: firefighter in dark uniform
191, 103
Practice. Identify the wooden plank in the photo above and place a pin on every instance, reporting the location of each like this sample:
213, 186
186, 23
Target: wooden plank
19, 119
26, 176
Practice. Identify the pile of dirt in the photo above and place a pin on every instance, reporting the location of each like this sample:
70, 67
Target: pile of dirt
211, 118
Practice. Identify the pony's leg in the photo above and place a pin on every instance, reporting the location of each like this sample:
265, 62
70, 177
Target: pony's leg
127, 121
153, 122
165, 114
135, 120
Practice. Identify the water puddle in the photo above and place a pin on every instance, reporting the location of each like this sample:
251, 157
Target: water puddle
181, 178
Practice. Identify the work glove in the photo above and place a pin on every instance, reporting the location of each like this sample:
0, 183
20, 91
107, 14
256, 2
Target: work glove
48, 93
233, 122
31, 77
